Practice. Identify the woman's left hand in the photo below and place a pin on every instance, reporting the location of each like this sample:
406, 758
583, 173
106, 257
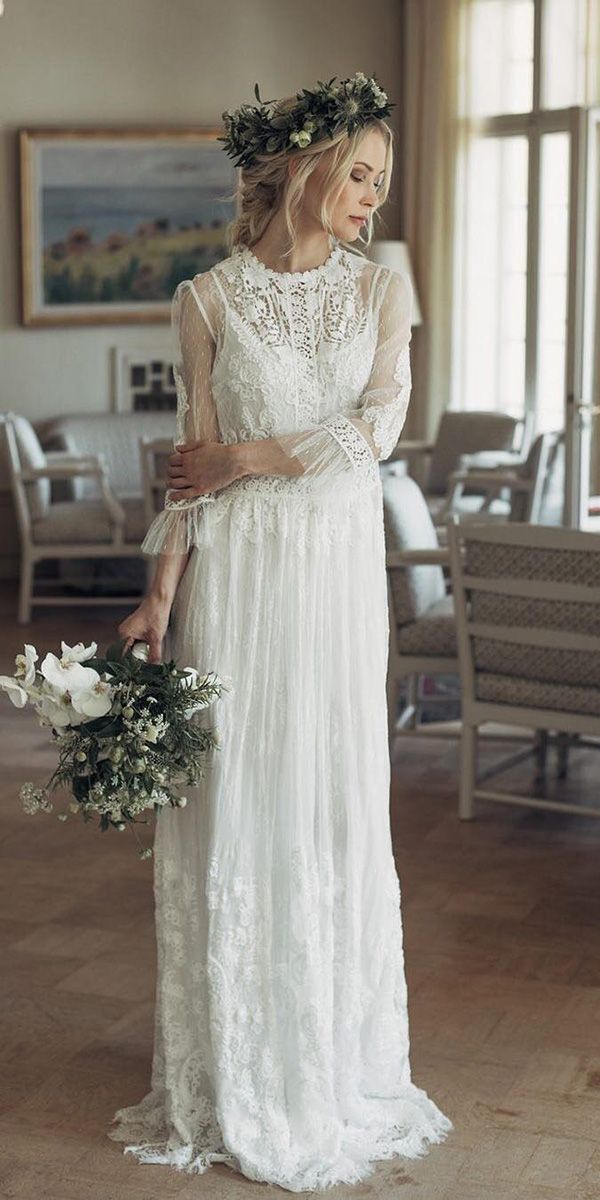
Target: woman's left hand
200, 467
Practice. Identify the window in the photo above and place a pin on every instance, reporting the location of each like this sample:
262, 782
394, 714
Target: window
528, 68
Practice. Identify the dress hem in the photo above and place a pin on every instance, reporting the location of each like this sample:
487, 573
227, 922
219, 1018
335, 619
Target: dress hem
348, 1168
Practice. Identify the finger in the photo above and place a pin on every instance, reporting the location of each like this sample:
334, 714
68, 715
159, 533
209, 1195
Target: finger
185, 446
154, 648
175, 460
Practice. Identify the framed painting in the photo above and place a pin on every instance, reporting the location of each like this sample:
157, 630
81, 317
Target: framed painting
112, 220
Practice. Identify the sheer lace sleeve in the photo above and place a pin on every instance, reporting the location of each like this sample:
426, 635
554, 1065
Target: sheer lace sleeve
194, 320
355, 439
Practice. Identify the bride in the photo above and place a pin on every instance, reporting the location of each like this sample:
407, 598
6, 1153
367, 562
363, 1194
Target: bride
281, 1041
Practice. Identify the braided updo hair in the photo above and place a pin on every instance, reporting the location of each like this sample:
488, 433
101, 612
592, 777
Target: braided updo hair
265, 186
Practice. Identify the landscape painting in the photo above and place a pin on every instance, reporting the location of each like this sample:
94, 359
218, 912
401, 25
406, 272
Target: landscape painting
112, 221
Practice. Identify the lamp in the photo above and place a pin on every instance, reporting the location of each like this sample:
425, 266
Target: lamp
397, 256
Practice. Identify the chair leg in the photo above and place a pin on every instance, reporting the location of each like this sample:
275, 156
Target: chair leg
540, 751
563, 745
412, 698
468, 764
25, 590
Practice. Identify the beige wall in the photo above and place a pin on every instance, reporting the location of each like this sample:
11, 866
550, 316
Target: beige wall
119, 62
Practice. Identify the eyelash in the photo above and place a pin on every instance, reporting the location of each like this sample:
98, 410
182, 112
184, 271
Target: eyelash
361, 178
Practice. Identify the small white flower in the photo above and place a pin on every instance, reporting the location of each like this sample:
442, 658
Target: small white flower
31, 797
141, 650
150, 733
302, 138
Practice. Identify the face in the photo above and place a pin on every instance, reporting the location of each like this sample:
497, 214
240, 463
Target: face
360, 194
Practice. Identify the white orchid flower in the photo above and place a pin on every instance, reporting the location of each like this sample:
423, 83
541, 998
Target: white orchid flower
58, 711
141, 650
16, 693
96, 701
67, 675
78, 653
24, 663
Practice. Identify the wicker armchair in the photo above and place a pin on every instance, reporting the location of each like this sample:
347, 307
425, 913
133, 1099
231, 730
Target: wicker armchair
528, 622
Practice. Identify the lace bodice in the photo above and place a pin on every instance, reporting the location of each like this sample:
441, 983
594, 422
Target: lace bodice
317, 359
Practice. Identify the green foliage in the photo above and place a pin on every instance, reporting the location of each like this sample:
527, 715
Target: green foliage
138, 756
320, 112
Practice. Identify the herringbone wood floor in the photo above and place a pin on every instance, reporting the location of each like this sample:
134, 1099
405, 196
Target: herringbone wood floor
502, 936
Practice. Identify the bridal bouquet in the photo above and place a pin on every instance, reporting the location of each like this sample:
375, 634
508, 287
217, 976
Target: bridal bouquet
125, 730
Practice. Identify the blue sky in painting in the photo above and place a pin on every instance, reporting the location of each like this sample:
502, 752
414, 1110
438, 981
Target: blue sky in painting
89, 163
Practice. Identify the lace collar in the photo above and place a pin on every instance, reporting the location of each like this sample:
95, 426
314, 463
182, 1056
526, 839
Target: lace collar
329, 270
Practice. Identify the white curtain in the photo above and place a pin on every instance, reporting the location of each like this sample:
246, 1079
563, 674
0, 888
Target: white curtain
432, 49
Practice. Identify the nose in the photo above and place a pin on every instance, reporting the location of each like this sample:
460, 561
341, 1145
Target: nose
369, 200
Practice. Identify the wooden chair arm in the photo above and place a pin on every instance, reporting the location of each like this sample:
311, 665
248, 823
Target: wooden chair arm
86, 466
433, 556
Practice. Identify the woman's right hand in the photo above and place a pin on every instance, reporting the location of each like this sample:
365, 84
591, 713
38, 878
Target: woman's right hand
147, 623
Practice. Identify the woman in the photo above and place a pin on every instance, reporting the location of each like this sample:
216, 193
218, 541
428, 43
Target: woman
281, 1029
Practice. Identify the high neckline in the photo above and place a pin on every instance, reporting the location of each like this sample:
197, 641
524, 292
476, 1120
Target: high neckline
294, 276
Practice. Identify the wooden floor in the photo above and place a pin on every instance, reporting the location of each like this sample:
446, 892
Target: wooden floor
502, 940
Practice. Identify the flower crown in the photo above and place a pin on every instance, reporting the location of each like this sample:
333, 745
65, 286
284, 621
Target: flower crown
320, 112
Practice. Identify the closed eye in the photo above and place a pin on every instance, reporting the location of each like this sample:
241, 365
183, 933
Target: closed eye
361, 179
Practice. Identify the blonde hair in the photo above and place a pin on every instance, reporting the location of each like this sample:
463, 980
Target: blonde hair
265, 186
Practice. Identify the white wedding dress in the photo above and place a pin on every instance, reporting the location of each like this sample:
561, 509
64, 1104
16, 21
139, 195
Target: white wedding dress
281, 1028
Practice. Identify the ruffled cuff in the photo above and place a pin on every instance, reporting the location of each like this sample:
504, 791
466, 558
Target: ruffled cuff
331, 453
177, 528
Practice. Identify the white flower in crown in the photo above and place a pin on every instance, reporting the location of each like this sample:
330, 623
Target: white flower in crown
300, 137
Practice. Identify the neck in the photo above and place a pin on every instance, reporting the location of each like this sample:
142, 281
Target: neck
312, 249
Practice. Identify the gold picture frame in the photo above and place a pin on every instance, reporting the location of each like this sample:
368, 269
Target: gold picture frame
112, 219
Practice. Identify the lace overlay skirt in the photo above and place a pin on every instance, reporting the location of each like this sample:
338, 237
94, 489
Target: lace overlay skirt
281, 1041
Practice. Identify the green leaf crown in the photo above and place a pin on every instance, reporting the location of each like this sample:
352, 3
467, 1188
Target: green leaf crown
321, 112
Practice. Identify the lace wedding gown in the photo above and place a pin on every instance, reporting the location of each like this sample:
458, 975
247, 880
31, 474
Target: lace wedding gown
281, 1041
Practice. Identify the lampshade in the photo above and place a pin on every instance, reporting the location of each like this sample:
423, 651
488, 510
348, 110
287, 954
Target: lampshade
397, 256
